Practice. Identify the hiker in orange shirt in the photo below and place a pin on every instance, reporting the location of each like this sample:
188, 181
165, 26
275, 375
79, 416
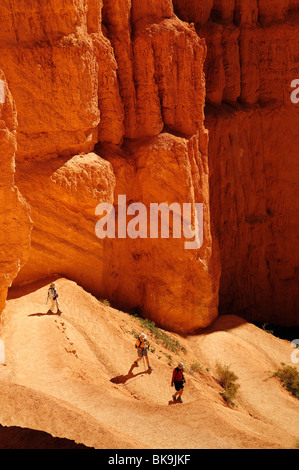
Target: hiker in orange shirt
142, 347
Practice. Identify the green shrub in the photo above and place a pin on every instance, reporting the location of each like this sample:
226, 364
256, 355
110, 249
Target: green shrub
227, 380
195, 367
289, 376
265, 327
167, 341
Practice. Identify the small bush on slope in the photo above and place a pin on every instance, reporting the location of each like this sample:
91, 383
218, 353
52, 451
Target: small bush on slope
227, 380
289, 376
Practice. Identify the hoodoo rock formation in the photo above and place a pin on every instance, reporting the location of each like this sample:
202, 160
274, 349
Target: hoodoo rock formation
15, 222
133, 83
161, 101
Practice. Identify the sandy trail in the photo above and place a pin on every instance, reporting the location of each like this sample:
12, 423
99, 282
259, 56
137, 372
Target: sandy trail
69, 375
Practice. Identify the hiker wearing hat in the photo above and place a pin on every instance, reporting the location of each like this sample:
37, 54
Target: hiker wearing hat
142, 348
53, 296
178, 381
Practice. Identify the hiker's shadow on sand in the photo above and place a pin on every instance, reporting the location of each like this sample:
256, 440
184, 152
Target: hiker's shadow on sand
121, 379
42, 314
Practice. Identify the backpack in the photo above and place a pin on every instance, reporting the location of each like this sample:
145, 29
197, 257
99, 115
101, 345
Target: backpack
180, 373
53, 293
138, 346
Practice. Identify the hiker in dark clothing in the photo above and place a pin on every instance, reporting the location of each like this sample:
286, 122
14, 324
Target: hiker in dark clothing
178, 381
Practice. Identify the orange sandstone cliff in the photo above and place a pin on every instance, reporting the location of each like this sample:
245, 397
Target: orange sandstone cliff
15, 222
161, 101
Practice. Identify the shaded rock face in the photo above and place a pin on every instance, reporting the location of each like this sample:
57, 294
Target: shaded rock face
252, 59
115, 98
15, 437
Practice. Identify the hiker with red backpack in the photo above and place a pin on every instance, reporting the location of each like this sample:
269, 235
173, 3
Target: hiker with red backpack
178, 381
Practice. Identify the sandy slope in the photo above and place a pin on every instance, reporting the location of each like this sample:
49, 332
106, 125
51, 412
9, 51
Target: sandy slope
71, 377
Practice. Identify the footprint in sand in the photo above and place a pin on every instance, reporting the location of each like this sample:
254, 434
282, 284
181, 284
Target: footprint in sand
69, 349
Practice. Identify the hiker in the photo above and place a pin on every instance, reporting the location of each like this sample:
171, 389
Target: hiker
53, 296
142, 349
178, 381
